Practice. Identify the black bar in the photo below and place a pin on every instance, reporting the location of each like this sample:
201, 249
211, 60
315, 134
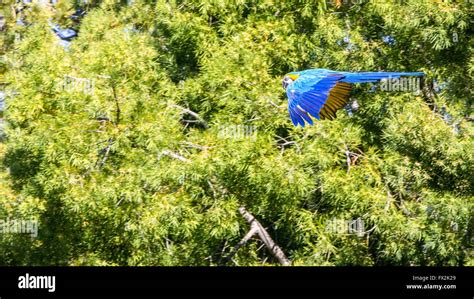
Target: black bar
242, 282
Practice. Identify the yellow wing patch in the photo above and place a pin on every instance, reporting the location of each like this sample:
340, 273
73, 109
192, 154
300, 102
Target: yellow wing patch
337, 99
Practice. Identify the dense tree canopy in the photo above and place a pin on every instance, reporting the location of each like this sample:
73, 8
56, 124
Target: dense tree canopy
137, 142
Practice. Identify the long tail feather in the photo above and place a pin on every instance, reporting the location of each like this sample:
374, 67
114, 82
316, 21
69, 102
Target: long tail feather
366, 77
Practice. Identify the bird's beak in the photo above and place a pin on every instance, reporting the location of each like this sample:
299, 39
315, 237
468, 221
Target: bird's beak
286, 81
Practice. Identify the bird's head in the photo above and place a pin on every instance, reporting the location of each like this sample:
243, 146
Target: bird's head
288, 79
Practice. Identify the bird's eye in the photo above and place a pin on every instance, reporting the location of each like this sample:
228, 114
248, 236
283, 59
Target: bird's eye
286, 81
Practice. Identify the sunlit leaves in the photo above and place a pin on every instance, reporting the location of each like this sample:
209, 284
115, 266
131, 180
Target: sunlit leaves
183, 120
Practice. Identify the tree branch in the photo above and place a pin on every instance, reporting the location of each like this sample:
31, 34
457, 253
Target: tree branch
250, 234
106, 152
348, 159
193, 114
287, 142
175, 155
256, 227
469, 118
351, 158
117, 106
197, 146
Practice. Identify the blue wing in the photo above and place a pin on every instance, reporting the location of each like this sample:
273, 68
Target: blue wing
319, 93
319, 97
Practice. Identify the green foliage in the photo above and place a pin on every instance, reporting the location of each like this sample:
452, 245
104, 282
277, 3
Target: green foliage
118, 172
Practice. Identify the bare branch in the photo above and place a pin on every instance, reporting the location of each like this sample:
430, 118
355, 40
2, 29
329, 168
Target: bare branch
175, 156
273, 104
369, 231
117, 106
348, 159
250, 234
351, 157
264, 236
193, 114
389, 201
106, 152
403, 208
287, 142
94, 131
469, 118
102, 118
192, 145
120, 201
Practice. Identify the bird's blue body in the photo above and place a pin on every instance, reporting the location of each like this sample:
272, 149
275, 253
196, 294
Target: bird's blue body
320, 92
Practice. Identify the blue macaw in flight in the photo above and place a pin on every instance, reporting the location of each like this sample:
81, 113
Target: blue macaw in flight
319, 93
